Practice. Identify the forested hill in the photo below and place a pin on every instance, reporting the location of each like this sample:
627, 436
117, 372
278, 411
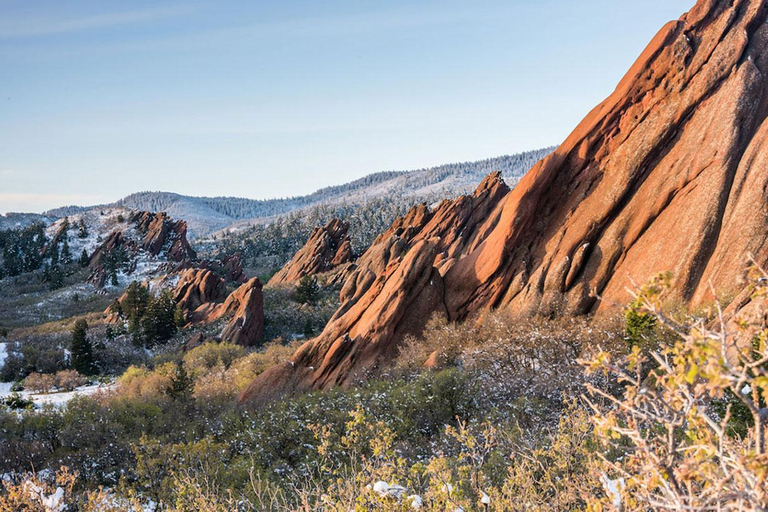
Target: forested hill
207, 214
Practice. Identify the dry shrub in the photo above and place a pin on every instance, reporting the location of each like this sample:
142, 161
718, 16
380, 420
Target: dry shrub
201, 360
146, 384
514, 357
674, 426
227, 381
40, 382
69, 380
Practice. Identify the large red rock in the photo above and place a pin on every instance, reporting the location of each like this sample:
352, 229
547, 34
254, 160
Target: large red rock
158, 235
197, 287
667, 174
245, 309
327, 248
390, 293
161, 234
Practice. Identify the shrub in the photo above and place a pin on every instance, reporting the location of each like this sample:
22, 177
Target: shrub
308, 290
16, 401
69, 380
671, 449
148, 385
201, 359
40, 382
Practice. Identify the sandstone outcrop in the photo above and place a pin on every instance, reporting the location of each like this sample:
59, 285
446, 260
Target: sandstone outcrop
161, 234
245, 306
203, 298
667, 174
197, 287
391, 292
328, 248
156, 234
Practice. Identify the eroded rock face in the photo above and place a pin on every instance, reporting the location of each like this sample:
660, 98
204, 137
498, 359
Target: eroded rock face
391, 292
162, 234
663, 175
197, 287
158, 235
667, 174
327, 248
246, 305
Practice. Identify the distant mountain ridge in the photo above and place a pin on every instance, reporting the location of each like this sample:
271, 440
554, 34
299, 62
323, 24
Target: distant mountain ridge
205, 215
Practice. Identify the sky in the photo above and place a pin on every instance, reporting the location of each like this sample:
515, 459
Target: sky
262, 99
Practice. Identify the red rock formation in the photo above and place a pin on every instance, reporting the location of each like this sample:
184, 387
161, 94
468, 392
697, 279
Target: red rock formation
116, 241
391, 292
661, 176
160, 236
233, 268
246, 307
327, 248
668, 174
197, 287
200, 292
163, 235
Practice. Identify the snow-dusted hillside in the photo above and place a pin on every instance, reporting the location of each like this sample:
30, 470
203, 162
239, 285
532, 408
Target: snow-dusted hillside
206, 215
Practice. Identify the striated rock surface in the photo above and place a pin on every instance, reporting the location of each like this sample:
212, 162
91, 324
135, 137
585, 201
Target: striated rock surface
197, 287
161, 234
667, 174
391, 292
327, 248
663, 175
246, 307
154, 233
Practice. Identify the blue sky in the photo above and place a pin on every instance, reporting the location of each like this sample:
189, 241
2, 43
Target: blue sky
267, 99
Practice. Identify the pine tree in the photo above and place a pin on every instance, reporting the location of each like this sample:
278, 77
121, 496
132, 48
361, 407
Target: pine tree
53, 253
84, 259
66, 253
82, 350
55, 277
159, 321
179, 317
182, 385
308, 290
82, 230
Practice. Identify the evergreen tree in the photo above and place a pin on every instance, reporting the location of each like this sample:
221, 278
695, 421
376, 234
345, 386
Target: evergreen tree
136, 300
133, 307
66, 253
182, 385
82, 350
84, 259
159, 321
53, 253
55, 277
308, 290
82, 230
117, 308
179, 318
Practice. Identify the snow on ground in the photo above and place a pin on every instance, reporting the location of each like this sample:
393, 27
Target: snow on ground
3, 354
57, 399
5, 387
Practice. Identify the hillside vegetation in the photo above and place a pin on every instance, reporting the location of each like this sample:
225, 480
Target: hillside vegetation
205, 215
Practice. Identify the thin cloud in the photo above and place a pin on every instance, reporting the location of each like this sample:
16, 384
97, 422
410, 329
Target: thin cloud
337, 25
26, 28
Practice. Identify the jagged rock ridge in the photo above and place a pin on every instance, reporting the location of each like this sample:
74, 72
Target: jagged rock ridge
668, 173
327, 248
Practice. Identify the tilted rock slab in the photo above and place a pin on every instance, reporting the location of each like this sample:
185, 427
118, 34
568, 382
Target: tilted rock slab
668, 174
327, 248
